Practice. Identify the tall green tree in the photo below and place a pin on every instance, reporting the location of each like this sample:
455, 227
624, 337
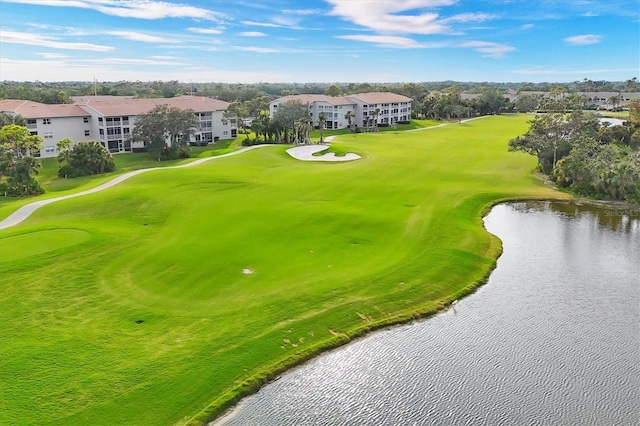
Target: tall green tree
12, 119
286, 117
349, 116
550, 136
165, 130
491, 102
237, 111
527, 103
17, 164
322, 119
333, 90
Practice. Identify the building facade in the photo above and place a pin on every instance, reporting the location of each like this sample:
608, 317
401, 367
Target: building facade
110, 120
360, 109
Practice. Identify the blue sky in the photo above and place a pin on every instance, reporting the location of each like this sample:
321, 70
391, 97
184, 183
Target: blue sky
251, 41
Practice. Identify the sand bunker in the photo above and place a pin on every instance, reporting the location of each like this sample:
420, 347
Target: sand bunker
305, 153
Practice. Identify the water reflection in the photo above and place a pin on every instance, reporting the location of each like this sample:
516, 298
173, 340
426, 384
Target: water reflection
553, 338
617, 218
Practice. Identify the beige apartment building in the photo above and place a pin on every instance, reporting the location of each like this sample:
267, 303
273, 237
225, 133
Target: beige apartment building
110, 120
391, 108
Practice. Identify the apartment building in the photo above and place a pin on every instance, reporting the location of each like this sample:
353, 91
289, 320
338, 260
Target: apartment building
52, 122
110, 120
360, 109
384, 107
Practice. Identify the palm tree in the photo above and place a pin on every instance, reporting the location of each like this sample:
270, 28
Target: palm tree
614, 101
376, 113
322, 118
349, 116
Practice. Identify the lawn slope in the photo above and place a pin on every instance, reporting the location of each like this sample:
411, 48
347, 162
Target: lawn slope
134, 305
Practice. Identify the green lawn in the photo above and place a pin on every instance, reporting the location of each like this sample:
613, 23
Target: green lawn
131, 307
55, 186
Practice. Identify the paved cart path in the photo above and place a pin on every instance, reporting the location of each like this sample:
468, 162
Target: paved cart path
25, 211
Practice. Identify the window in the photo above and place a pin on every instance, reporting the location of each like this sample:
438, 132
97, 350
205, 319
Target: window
85, 119
49, 149
101, 132
46, 121
48, 135
87, 132
225, 133
100, 120
125, 120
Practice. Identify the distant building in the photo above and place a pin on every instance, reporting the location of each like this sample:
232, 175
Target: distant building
392, 108
110, 119
597, 100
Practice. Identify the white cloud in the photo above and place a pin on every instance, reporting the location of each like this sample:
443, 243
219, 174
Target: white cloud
126, 61
396, 42
579, 72
25, 70
45, 41
252, 34
136, 36
470, 17
277, 22
390, 16
140, 9
527, 26
164, 57
205, 30
49, 55
488, 49
257, 49
303, 12
262, 24
583, 40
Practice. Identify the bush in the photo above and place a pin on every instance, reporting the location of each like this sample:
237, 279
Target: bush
11, 188
86, 158
69, 172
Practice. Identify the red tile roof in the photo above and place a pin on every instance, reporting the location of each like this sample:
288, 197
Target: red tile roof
379, 97
121, 105
310, 98
30, 109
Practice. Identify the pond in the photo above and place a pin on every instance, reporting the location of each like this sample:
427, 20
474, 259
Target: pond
553, 338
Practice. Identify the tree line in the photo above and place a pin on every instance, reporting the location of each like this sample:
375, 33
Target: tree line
590, 158
61, 92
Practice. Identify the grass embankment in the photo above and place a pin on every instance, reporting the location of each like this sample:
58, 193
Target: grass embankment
55, 186
130, 306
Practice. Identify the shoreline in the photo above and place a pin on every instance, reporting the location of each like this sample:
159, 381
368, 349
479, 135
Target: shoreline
233, 401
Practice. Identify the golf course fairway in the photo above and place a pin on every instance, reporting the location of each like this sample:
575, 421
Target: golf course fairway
164, 299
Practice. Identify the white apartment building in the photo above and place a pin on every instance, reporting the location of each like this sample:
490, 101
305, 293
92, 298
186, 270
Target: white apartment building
334, 108
392, 108
52, 122
110, 120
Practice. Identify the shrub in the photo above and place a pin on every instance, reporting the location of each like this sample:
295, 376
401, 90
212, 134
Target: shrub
13, 188
68, 171
86, 158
